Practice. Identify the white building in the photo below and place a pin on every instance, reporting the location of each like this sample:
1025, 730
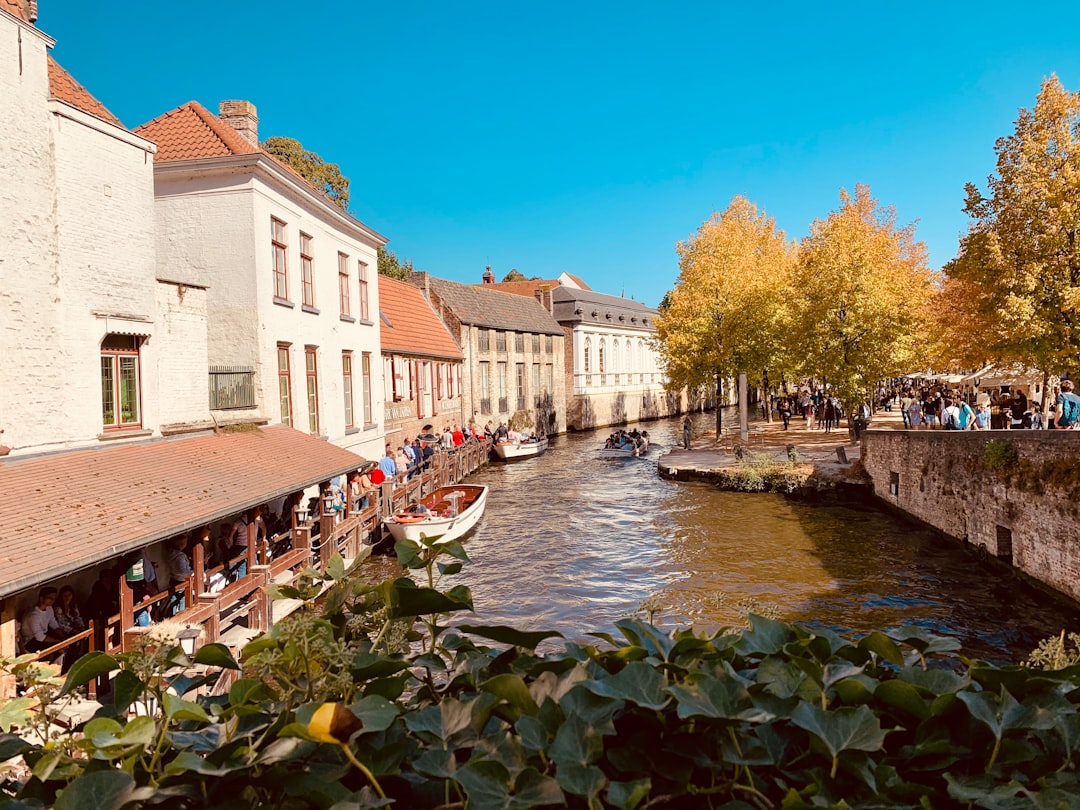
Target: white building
91, 335
292, 297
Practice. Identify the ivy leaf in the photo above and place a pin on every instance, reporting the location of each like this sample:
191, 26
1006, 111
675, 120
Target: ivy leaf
15, 712
841, 730
179, 709
12, 745
92, 665
533, 789
215, 655
487, 784
438, 763
721, 699
628, 795
102, 790
509, 635
765, 636
375, 712
404, 599
576, 743
637, 682
646, 635
512, 689
998, 713
903, 696
924, 641
581, 780
443, 721
883, 647
335, 566
446, 569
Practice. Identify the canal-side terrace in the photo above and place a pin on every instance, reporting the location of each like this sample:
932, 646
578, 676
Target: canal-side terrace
101, 510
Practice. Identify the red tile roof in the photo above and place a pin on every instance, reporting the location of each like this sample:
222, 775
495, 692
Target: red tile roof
526, 288
409, 325
191, 131
65, 512
63, 86
16, 8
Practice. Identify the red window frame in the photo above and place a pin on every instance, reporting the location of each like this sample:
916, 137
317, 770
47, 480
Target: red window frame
284, 384
311, 374
113, 397
365, 360
347, 387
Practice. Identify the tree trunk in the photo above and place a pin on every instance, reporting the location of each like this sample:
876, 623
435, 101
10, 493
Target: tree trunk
719, 404
766, 394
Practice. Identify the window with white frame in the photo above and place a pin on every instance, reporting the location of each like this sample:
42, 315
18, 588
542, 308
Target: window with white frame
284, 384
311, 370
347, 387
280, 246
307, 270
343, 284
362, 271
366, 360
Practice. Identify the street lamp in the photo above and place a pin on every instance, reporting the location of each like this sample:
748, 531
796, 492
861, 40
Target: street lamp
188, 638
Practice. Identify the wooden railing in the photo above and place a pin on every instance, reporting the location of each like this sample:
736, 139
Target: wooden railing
309, 543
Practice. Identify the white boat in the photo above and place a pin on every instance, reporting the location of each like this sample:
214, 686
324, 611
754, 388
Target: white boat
512, 451
626, 450
448, 513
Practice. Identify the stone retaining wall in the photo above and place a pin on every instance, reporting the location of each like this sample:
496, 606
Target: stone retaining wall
1026, 513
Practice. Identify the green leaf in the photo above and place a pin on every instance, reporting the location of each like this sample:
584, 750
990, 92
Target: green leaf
248, 690
533, 789
883, 647
903, 696
277, 591
215, 655
628, 795
719, 698
512, 689
841, 730
576, 743
404, 599
487, 784
15, 712
366, 665
581, 780
177, 708
998, 713
924, 641
101, 790
438, 763
375, 712
764, 637
12, 745
443, 720
447, 569
637, 682
335, 566
92, 665
509, 635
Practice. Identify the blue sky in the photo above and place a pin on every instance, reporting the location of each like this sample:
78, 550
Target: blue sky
591, 137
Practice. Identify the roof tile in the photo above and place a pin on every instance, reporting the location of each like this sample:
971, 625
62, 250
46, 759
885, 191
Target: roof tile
67, 511
62, 85
410, 325
191, 131
482, 306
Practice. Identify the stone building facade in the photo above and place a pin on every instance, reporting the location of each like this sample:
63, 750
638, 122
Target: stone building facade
1014, 493
513, 354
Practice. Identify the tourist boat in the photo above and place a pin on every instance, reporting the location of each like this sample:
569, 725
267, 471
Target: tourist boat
512, 451
624, 451
447, 513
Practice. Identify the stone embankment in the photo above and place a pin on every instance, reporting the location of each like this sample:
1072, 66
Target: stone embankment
823, 462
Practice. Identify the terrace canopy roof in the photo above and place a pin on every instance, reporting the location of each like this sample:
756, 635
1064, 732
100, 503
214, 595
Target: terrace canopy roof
67, 511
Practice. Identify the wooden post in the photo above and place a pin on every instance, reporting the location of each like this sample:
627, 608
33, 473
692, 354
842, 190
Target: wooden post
263, 619
212, 626
198, 566
127, 609
327, 519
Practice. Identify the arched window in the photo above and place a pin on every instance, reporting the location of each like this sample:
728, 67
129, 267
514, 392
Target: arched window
600, 357
615, 356
588, 355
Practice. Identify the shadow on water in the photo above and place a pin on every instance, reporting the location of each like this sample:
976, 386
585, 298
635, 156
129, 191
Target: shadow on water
572, 542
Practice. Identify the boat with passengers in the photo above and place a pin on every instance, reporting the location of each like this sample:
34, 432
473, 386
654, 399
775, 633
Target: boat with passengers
448, 513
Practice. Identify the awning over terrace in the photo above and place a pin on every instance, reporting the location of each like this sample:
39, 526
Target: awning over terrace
65, 512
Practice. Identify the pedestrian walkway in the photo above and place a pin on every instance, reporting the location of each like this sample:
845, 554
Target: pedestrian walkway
814, 447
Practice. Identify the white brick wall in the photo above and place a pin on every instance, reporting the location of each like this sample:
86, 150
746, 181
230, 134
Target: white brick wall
77, 261
214, 229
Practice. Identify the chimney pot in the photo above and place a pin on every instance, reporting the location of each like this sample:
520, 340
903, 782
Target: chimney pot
241, 116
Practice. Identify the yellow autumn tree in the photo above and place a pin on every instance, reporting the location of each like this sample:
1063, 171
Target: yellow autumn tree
728, 311
863, 292
1020, 258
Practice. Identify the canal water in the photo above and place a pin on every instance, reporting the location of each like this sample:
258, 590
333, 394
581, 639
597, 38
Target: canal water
573, 542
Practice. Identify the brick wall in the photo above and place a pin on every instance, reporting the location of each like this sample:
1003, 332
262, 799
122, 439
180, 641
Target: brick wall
941, 478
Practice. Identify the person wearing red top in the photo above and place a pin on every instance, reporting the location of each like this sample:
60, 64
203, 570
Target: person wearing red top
459, 437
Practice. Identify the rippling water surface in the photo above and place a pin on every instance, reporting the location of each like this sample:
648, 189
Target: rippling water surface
572, 542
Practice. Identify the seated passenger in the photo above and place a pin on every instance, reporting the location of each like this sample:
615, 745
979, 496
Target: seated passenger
39, 627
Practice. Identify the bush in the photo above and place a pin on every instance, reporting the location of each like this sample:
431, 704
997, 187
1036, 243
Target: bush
473, 716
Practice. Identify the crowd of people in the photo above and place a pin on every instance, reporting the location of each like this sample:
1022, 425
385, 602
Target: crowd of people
637, 442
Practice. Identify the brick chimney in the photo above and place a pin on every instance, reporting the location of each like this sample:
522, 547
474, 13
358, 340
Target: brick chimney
489, 277
241, 116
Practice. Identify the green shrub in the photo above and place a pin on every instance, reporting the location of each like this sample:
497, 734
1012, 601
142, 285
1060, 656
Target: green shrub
771, 715
1001, 455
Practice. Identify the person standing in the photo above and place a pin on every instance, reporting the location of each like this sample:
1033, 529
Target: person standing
687, 431
179, 571
1067, 408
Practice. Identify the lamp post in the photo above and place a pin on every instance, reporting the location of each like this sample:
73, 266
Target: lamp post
188, 638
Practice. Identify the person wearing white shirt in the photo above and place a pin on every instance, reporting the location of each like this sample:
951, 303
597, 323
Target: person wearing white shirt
39, 626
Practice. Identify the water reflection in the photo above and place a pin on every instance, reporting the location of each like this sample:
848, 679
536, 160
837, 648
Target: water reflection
572, 542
